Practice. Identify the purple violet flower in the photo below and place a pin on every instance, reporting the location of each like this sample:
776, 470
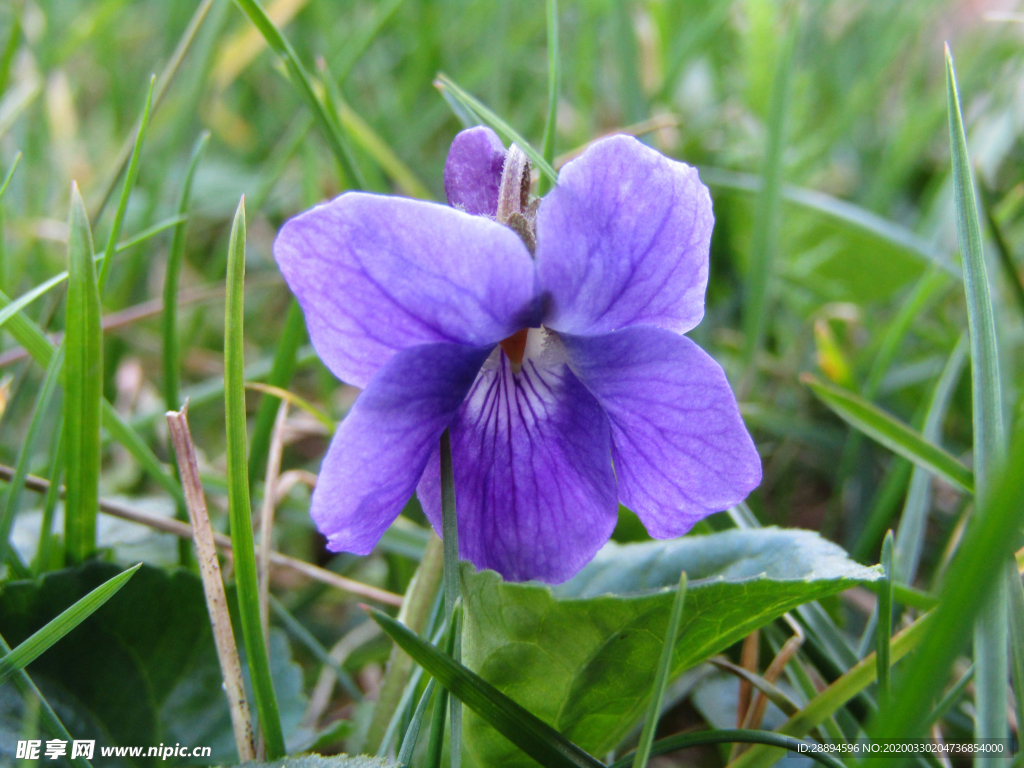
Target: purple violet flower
547, 339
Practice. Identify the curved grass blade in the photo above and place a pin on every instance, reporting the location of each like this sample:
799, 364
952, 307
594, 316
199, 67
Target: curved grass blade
412, 733
359, 41
991, 629
842, 211
163, 81
175, 259
735, 736
240, 509
975, 574
532, 735
890, 432
336, 138
548, 145
1002, 247
129, 184
451, 582
767, 213
643, 750
28, 445
18, 304
83, 387
42, 639
10, 47
883, 632
285, 362
51, 723
503, 129
775, 695
910, 533
10, 174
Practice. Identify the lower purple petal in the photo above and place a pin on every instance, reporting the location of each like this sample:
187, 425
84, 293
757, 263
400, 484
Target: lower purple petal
534, 487
381, 447
682, 451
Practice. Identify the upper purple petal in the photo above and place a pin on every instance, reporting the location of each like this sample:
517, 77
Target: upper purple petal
681, 449
622, 240
376, 275
381, 447
472, 172
534, 488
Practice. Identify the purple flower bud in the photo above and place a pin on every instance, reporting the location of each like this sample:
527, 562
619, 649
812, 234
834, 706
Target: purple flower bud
472, 172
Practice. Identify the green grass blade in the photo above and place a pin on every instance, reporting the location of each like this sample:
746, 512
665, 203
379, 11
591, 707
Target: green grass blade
951, 697
451, 581
643, 750
358, 42
335, 137
175, 259
129, 185
18, 304
532, 735
412, 733
41, 640
767, 211
167, 75
435, 744
890, 432
17, 485
550, 124
842, 212
10, 47
883, 632
293, 335
1016, 615
975, 574
240, 510
503, 129
735, 736
304, 636
910, 533
51, 723
991, 629
10, 174
1002, 247
56, 465
83, 387
627, 62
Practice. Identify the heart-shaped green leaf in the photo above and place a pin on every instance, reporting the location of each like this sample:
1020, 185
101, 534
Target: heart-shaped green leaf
582, 656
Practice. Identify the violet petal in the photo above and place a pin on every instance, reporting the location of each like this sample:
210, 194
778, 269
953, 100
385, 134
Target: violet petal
622, 240
681, 449
379, 451
376, 275
472, 172
534, 487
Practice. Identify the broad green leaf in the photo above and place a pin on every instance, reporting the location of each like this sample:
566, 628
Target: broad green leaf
33, 647
890, 432
318, 761
517, 725
83, 387
142, 669
239, 506
581, 656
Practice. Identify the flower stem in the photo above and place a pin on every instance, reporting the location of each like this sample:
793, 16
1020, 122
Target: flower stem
450, 538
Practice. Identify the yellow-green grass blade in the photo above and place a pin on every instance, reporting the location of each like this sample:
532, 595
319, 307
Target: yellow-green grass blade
83, 387
44, 638
240, 510
550, 123
890, 432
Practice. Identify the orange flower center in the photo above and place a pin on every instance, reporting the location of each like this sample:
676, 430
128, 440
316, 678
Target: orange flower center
515, 347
